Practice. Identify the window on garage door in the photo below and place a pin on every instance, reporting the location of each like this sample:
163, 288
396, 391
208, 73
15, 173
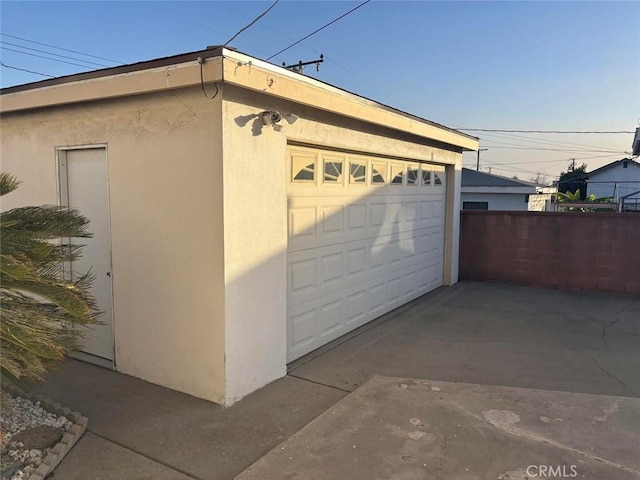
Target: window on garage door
303, 168
333, 170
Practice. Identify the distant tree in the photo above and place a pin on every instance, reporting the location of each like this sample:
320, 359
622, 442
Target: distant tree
573, 180
539, 179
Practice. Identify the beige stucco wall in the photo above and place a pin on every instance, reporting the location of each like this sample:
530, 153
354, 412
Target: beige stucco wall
255, 219
165, 183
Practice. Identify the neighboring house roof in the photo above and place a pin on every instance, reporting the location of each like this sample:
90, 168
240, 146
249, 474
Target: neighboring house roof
223, 65
617, 163
474, 178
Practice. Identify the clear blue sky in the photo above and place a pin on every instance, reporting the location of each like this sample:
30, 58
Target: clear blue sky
502, 65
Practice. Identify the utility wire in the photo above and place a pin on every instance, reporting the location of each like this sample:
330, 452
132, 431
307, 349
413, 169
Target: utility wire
534, 131
250, 24
614, 152
42, 56
60, 48
326, 57
533, 163
54, 54
537, 139
25, 70
319, 29
498, 166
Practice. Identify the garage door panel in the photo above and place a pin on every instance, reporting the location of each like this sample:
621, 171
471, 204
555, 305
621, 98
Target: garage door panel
332, 268
332, 317
378, 214
410, 212
356, 264
357, 218
349, 222
320, 321
438, 210
302, 325
331, 221
410, 285
302, 276
302, 222
321, 271
356, 306
359, 247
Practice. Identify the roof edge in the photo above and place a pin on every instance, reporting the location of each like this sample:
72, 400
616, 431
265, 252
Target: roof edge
209, 52
233, 67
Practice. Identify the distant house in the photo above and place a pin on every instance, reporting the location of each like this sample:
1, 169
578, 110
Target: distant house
543, 200
485, 191
616, 180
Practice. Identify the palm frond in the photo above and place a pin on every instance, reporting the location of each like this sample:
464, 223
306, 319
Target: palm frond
43, 313
8, 183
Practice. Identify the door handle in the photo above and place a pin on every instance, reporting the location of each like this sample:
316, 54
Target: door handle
109, 274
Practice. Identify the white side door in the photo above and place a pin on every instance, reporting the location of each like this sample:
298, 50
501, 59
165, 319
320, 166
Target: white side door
84, 186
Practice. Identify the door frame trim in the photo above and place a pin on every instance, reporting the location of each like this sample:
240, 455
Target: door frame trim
62, 193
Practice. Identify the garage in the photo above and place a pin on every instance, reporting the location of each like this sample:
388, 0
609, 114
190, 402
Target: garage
365, 236
269, 240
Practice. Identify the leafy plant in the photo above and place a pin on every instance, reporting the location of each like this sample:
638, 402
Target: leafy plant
41, 309
575, 197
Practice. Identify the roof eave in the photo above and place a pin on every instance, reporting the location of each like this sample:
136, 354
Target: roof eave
230, 66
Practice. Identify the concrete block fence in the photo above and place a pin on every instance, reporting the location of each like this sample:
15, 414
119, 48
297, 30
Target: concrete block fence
572, 250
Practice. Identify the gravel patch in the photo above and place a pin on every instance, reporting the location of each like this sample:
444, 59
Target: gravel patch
37, 434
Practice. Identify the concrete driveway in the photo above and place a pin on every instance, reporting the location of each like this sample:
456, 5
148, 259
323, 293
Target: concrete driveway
473, 333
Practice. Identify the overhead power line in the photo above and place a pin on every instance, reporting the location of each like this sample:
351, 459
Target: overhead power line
525, 140
533, 163
250, 24
326, 57
536, 131
25, 70
319, 29
42, 56
54, 54
61, 48
536, 148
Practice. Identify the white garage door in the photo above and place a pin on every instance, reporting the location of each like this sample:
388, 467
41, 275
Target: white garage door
366, 235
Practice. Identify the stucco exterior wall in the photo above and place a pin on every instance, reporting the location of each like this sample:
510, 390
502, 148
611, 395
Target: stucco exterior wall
255, 219
498, 201
165, 183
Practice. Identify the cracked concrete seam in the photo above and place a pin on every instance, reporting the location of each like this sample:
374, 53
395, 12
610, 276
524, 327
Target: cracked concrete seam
615, 320
611, 375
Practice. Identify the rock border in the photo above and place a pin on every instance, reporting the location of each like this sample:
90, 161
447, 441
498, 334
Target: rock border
68, 440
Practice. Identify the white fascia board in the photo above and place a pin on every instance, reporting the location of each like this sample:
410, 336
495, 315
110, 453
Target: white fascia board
251, 73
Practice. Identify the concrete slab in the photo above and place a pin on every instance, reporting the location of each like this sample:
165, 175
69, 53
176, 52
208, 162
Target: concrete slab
472, 333
99, 459
407, 429
499, 335
193, 436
